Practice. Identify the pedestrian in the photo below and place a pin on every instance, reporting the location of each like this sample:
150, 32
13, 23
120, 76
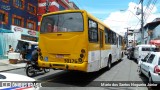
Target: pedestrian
10, 49
23, 52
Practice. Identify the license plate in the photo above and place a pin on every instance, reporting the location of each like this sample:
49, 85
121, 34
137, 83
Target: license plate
59, 56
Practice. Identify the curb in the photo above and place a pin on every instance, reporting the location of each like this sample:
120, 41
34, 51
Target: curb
12, 69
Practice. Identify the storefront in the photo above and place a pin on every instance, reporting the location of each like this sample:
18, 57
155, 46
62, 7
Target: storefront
17, 37
25, 40
3, 42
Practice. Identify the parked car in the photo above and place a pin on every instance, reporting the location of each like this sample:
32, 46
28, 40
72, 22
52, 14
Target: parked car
12, 81
141, 51
130, 53
150, 67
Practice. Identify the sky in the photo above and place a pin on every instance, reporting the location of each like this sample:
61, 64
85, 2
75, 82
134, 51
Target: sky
121, 14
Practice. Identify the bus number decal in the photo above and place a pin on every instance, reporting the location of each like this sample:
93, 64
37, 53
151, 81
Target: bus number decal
70, 60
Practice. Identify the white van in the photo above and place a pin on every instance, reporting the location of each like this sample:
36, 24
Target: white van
141, 51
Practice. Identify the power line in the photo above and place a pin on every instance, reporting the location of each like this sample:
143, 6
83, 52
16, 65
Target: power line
150, 10
137, 24
129, 16
147, 9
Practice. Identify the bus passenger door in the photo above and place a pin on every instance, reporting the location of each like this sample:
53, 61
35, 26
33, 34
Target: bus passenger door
101, 48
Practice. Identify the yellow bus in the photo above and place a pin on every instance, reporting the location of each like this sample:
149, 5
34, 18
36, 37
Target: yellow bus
76, 40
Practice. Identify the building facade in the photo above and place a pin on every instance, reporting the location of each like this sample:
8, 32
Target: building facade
46, 6
20, 14
132, 38
20, 19
152, 31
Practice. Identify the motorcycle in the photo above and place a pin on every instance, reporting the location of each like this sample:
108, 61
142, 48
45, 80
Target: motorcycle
32, 69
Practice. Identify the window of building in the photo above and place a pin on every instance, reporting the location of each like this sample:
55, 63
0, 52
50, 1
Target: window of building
93, 31
6, 1
17, 20
3, 17
61, 7
31, 9
18, 4
31, 24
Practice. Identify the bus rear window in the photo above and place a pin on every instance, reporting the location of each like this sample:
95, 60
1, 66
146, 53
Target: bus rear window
148, 49
66, 22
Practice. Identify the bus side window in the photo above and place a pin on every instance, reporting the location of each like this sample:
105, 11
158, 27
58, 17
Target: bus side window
92, 31
112, 37
106, 36
109, 37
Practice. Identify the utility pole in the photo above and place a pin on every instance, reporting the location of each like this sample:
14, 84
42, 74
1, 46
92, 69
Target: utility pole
127, 34
134, 39
141, 1
47, 6
127, 37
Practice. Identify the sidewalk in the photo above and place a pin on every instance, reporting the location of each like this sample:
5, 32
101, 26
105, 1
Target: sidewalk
6, 66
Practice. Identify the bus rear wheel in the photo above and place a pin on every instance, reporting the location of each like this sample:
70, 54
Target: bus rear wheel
109, 64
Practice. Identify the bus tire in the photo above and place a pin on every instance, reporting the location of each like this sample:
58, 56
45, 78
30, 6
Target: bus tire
140, 71
109, 62
150, 79
122, 55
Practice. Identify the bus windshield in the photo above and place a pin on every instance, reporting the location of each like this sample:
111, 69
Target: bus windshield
66, 22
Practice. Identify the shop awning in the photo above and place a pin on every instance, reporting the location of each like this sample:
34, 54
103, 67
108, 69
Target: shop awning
155, 42
31, 42
5, 31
